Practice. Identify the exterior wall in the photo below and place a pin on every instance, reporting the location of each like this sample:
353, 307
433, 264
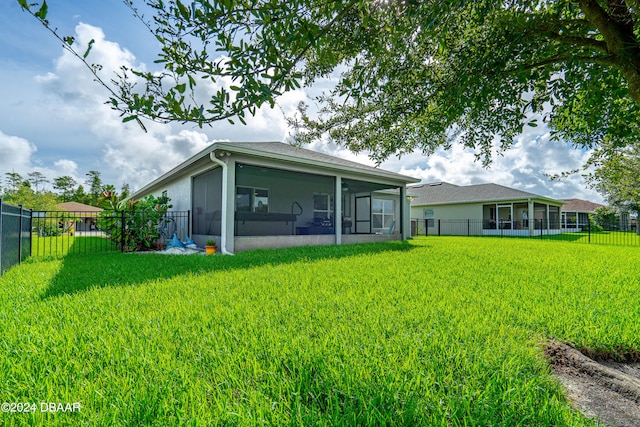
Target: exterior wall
247, 243
179, 188
456, 217
461, 211
179, 191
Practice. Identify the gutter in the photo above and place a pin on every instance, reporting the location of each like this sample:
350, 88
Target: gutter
225, 192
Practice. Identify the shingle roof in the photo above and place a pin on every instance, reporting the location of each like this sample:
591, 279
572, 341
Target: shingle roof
283, 152
78, 207
445, 193
579, 205
298, 154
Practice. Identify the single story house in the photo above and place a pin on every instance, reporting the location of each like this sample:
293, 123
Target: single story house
250, 195
482, 209
86, 215
576, 213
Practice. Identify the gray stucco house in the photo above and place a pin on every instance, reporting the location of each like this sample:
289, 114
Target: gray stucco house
269, 194
482, 209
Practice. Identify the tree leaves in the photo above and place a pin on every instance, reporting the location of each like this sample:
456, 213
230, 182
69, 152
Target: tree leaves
89, 47
414, 75
41, 13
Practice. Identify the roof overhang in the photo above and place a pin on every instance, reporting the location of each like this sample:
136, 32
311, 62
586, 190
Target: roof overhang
496, 201
232, 148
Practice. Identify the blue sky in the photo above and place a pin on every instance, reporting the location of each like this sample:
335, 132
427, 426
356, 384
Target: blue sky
53, 118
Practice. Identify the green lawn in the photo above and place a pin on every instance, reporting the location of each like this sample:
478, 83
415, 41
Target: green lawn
439, 331
58, 246
599, 237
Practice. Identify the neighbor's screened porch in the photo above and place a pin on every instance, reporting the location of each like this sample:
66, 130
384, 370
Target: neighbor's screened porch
520, 216
575, 221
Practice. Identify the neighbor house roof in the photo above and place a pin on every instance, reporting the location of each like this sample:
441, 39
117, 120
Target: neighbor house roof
442, 193
283, 152
77, 207
579, 205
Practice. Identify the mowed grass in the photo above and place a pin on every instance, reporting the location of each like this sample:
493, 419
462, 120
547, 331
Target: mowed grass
60, 246
439, 332
600, 237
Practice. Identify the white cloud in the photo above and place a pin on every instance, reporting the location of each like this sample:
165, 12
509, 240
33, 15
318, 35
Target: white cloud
15, 154
527, 165
19, 155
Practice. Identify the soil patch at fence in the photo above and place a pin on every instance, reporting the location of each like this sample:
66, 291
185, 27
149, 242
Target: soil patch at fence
598, 386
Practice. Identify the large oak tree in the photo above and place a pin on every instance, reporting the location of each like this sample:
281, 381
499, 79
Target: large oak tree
413, 74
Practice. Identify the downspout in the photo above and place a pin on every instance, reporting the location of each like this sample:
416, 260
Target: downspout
225, 191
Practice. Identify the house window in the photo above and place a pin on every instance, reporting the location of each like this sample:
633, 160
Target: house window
322, 205
383, 213
429, 215
250, 199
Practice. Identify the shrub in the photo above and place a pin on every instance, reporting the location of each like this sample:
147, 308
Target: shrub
133, 224
606, 217
54, 225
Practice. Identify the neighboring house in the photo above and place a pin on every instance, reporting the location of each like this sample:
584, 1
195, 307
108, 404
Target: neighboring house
269, 194
576, 213
86, 215
482, 209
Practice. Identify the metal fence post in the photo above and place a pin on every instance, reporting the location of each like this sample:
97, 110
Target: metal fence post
1, 237
122, 231
20, 235
189, 232
438, 227
30, 233
589, 229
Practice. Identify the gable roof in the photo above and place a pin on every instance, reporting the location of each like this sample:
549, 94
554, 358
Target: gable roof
579, 205
283, 152
441, 193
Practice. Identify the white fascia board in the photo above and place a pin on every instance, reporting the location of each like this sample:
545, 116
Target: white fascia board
387, 175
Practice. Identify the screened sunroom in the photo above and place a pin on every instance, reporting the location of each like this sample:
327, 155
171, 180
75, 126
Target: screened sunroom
266, 195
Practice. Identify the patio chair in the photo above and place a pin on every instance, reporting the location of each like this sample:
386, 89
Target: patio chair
391, 227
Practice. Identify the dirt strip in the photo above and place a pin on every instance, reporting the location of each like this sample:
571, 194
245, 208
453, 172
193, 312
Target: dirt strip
608, 391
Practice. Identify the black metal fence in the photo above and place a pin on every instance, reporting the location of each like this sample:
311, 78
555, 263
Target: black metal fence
15, 238
611, 234
57, 233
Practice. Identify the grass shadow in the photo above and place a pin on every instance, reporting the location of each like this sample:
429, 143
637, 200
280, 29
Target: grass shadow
55, 247
81, 272
566, 237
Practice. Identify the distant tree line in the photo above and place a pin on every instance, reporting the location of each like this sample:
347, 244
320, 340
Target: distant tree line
32, 193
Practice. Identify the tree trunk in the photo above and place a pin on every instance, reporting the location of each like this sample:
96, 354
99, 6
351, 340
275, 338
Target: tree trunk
616, 27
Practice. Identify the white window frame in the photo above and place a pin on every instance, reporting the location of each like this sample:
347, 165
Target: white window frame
384, 214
